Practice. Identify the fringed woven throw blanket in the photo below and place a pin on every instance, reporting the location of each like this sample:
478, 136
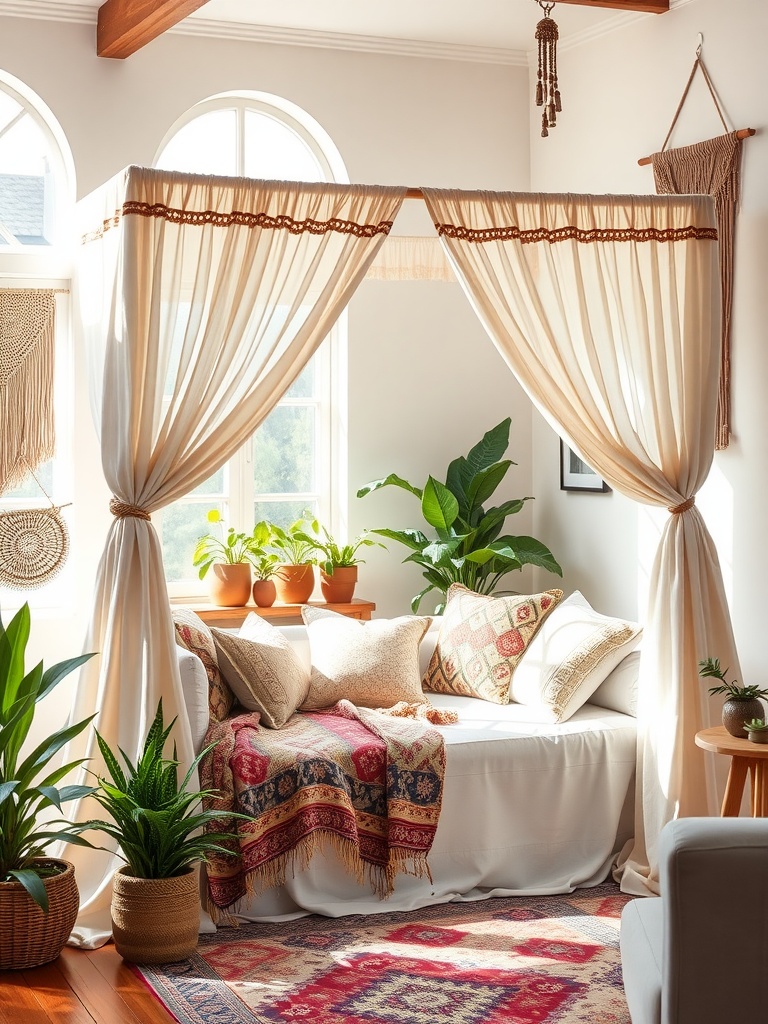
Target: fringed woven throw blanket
368, 784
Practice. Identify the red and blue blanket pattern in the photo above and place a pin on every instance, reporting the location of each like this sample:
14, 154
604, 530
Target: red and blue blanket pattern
368, 784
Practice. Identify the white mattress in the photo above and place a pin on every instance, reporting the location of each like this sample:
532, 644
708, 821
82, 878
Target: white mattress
527, 809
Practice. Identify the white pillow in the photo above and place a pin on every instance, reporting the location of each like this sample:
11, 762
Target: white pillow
574, 650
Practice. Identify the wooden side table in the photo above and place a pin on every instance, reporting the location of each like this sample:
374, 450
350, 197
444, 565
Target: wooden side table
746, 757
285, 614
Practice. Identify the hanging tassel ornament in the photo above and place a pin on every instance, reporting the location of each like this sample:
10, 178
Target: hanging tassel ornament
547, 92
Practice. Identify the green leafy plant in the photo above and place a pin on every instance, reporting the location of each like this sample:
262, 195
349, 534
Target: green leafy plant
340, 555
265, 562
710, 667
296, 544
155, 820
27, 786
469, 547
231, 548
756, 725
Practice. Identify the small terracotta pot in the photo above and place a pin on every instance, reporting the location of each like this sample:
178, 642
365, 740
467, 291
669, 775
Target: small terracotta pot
155, 920
229, 585
264, 593
339, 586
294, 583
737, 712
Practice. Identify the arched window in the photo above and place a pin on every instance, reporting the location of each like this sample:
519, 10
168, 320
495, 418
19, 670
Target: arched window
296, 460
37, 197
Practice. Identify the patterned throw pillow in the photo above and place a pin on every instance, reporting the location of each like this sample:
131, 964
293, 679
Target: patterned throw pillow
372, 664
262, 670
572, 654
193, 634
481, 641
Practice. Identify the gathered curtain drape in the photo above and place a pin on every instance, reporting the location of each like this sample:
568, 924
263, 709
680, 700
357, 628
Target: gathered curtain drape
201, 300
607, 310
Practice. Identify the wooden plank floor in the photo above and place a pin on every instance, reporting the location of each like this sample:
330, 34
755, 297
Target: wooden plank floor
81, 987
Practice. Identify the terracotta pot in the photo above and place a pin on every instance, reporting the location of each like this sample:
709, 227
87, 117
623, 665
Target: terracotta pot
155, 920
294, 583
339, 586
264, 593
230, 585
736, 712
29, 937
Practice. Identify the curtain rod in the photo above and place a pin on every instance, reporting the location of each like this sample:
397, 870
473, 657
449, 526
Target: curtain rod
742, 133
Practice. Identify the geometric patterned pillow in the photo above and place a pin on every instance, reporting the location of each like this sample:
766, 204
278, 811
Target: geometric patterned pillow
193, 634
481, 641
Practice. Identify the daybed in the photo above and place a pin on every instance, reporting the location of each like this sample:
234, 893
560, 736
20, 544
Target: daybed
528, 806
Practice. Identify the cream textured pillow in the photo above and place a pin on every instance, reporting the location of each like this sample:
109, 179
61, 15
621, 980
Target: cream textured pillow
262, 670
372, 664
572, 654
481, 641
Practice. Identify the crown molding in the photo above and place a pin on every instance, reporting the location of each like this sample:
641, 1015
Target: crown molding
53, 10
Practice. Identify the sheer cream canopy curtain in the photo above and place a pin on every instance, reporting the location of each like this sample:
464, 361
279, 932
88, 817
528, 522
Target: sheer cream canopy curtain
202, 299
607, 310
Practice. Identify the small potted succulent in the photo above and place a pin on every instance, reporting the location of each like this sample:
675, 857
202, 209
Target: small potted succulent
757, 730
742, 703
265, 565
338, 565
229, 556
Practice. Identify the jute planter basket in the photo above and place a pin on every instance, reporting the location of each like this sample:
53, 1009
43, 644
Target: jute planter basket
155, 920
28, 937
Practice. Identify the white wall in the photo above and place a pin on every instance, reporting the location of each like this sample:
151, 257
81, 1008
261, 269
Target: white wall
424, 381
619, 95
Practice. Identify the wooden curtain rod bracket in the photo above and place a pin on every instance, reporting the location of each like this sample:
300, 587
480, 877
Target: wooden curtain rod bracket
742, 133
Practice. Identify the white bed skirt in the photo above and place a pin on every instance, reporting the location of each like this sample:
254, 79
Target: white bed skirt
528, 809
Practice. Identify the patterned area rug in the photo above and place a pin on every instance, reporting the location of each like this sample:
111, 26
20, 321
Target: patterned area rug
526, 960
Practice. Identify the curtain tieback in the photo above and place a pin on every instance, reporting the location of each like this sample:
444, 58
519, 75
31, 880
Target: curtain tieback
121, 509
677, 510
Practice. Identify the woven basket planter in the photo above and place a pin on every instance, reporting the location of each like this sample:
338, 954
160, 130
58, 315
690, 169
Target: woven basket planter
29, 937
155, 920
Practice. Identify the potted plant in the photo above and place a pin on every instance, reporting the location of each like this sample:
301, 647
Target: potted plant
295, 548
338, 566
469, 547
742, 703
229, 556
757, 730
265, 564
158, 830
38, 894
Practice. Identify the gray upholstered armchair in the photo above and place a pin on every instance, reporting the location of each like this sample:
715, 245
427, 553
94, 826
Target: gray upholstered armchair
699, 954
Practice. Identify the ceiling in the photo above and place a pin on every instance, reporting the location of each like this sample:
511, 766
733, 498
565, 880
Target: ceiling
495, 24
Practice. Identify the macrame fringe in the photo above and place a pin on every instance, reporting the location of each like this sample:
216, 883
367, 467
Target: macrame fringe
547, 91
27, 332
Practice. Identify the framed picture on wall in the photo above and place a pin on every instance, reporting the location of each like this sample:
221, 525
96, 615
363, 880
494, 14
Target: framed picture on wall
576, 475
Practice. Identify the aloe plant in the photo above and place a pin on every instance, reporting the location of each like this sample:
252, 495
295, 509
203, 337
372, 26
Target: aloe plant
154, 818
756, 725
27, 787
469, 547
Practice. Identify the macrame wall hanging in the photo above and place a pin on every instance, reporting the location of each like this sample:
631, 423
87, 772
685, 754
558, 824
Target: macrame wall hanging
34, 543
711, 168
547, 92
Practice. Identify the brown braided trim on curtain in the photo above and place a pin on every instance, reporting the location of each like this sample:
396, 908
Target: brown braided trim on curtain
677, 510
257, 220
122, 509
570, 231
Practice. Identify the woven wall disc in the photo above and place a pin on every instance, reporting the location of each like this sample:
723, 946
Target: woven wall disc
34, 544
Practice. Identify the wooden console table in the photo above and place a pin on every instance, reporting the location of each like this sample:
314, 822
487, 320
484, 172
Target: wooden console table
285, 614
746, 757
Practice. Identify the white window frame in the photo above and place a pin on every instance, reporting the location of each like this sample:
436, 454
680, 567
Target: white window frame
49, 266
330, 359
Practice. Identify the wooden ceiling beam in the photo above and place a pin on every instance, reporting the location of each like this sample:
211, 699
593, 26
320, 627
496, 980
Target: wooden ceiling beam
644, 6
124, 26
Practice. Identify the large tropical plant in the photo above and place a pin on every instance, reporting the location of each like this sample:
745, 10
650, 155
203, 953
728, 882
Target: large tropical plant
155, 819
29, 788
469, 547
